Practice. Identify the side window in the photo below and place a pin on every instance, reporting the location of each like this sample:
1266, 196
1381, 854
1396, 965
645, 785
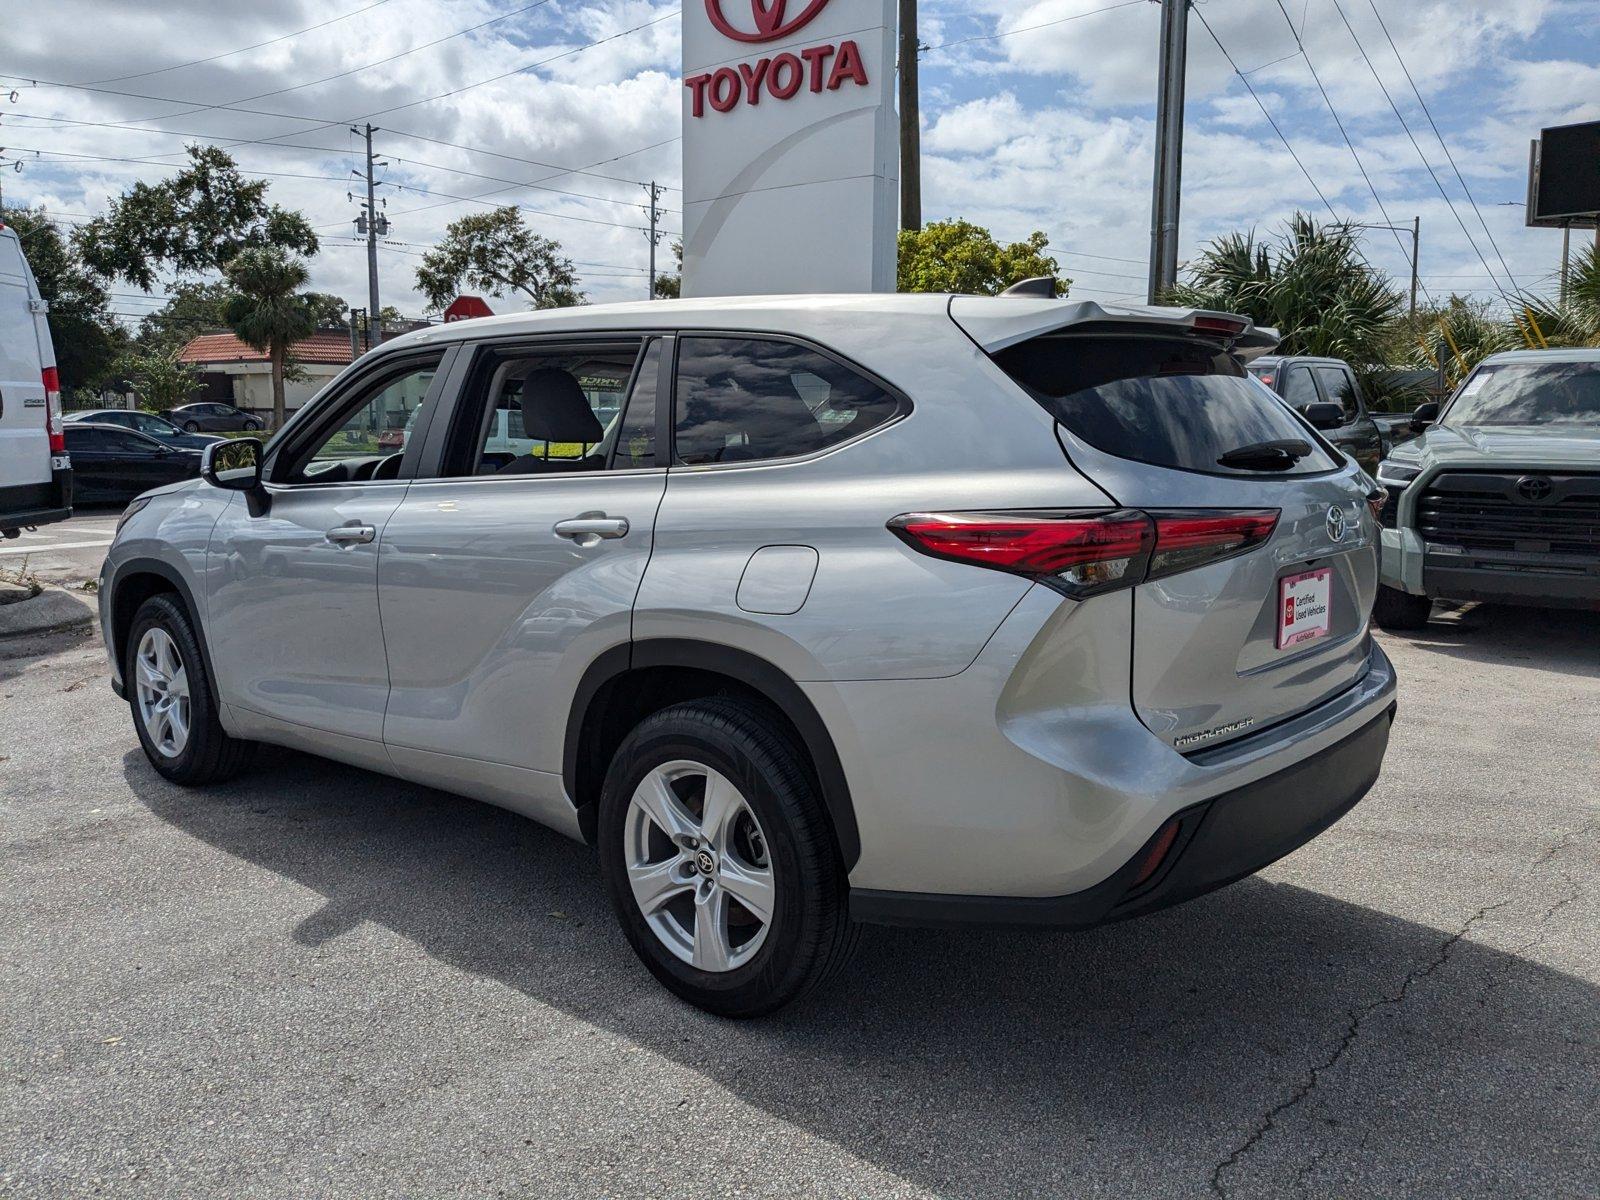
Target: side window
636, 441
371, 426
1340, 388
122, 442
1298, 389
541, 412
740, 399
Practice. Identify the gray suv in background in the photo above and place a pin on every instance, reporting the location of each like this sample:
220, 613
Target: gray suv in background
803, 611
1499, 498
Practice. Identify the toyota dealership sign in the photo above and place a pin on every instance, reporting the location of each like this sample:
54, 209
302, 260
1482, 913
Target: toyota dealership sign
790, 148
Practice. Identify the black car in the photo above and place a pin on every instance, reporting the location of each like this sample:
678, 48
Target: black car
213, 416
148, 424
112, 463
1324, 382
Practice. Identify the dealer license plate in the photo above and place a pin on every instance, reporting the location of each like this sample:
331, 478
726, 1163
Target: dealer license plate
1305, 603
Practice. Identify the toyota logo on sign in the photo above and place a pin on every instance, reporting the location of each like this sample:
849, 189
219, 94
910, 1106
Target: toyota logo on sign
771, 20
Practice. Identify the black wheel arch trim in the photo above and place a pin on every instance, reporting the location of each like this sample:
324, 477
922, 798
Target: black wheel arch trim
118, 635
746, 668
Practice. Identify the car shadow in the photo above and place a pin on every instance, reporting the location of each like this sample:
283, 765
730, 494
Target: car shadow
975, 1063
1547, 639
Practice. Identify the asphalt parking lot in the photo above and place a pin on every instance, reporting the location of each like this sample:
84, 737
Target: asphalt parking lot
319, 982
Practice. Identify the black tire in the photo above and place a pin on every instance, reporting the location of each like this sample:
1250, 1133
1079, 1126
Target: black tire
810, 935
252, 426
209, 755
1400, 611
192, 426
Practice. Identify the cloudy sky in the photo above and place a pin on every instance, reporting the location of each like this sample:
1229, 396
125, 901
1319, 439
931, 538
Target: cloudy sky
1037, 114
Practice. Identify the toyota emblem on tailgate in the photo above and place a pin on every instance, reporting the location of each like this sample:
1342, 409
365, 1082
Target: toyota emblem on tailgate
1336, 523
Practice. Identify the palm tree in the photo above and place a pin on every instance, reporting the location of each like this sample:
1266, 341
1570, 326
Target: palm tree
267, 311
1573, 320
1310, 283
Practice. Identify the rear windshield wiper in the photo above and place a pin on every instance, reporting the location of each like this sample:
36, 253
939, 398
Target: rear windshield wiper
1266, 456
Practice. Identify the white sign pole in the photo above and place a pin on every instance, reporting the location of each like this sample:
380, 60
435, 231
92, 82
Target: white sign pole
790, 146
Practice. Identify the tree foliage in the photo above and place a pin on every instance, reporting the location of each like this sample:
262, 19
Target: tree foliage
159, 379
1310, 283
958, 256
86, 336
267, 310
192, 308
496, 252
195, 221
670, 287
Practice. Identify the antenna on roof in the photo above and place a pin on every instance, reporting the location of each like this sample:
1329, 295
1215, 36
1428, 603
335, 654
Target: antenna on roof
1041, 286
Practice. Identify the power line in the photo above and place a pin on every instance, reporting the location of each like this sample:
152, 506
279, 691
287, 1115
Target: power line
242, 49
994, 37
1442, 144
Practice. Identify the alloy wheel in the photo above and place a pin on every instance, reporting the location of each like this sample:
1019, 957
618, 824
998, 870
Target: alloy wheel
162, 686
699, 866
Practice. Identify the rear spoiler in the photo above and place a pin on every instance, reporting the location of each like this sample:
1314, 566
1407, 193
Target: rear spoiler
996, 322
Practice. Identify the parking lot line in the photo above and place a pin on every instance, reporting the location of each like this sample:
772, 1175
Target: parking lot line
48, 546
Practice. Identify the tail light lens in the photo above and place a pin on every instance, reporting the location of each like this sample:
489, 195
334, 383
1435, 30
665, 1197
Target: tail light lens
1083, 553
52, 411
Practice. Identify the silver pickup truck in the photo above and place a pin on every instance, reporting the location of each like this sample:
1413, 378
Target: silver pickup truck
1499, 498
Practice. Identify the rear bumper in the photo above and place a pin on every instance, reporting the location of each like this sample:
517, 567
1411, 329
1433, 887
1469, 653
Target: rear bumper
37, 504
1219, 841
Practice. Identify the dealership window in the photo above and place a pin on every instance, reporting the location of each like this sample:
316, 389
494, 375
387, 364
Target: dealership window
740, 399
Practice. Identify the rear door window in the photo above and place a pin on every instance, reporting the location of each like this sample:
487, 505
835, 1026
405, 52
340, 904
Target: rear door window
1164, 401
741, 399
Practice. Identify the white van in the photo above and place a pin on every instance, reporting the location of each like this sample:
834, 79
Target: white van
35, 472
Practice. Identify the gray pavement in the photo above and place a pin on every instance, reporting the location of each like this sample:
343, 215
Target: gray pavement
319, 982
66, 553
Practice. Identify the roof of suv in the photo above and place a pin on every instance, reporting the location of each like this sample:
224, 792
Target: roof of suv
993, 321
1579, 354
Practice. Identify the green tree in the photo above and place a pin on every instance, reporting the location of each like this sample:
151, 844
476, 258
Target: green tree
330, 311
159, 379
496, 252
1310, 283
1573, 321
193, 222
86, 336
670, 287
192, 308
958, 256
268, 312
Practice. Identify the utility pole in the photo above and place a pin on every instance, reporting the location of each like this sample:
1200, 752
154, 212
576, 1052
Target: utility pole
910, 120
1566, 252
1169, 147
1414, 229
374, 225
654, 233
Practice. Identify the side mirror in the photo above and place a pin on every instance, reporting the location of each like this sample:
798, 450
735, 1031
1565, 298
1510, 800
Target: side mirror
234, 464
1324, 415
1425, 415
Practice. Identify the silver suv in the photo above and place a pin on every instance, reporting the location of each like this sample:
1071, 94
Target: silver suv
803, 611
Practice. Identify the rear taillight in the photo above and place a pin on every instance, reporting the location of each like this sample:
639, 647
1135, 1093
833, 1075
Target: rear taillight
1082, 553
52, 411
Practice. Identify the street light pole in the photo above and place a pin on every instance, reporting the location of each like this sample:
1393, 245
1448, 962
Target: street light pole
1414, 229
1169, 148
910, 121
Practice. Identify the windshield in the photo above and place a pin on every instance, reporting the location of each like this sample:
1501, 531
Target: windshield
1564, 393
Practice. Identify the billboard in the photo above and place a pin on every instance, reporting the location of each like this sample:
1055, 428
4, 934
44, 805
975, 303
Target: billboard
1564, 175
790, 146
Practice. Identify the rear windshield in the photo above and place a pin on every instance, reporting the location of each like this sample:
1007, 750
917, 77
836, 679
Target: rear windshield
1531, 394
1163, 401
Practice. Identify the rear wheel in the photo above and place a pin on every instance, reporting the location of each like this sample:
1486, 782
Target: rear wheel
1399, 610
252, 426
174, 705
719, 859
192, 426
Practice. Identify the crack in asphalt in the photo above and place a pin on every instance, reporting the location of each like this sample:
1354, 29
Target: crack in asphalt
1358, 1016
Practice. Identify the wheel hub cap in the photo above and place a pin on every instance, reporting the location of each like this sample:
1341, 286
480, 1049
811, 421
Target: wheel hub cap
698, 866
161, 688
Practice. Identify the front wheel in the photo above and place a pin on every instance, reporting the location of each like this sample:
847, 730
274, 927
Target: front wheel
1400, 611
192, 426
719, 858
174, 704
252, 426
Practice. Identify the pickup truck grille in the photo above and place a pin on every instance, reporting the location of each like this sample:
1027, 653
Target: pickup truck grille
1526, 512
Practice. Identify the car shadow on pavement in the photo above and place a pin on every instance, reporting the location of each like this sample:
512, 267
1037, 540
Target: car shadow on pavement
1220, 1033
1545, 639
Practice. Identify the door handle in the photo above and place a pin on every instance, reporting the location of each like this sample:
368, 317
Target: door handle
351, 534
586, 530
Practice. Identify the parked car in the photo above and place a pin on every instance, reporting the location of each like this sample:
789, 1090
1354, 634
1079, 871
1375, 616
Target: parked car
908, 609
212, 417
35, 472
1325, 391
1499, 498
113, 463
149, 424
